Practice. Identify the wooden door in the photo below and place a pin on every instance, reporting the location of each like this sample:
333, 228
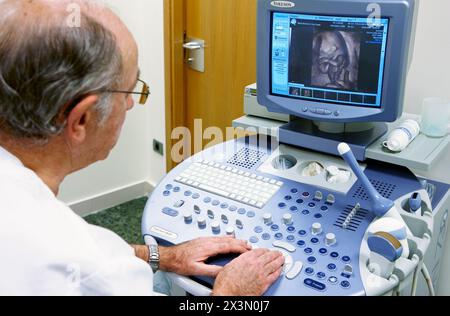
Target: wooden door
215, 96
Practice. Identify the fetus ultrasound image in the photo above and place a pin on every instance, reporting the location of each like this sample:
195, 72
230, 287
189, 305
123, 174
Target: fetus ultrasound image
335, 60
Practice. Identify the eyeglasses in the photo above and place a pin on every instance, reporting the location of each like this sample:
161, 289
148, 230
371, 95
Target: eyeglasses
140, 97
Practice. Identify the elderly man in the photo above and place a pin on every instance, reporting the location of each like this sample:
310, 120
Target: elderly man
64, 94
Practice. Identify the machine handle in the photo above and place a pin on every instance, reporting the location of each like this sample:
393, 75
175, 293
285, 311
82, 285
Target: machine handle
190, 286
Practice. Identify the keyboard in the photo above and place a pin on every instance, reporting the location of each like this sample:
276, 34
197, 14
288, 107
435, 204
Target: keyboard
231, 183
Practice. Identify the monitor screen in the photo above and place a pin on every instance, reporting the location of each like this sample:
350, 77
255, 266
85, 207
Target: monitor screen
328, 59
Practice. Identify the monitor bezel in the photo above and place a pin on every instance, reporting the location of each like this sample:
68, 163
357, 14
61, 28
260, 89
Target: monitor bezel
401, 15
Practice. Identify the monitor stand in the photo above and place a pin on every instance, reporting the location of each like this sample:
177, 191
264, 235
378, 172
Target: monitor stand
325, 137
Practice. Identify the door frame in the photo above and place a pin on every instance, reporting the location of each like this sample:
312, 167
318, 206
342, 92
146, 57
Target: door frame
175, 94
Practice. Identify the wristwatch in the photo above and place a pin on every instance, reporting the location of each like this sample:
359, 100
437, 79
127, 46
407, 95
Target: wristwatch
153, 258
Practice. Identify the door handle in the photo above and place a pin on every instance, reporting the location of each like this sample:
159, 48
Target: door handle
192, 45
195, 53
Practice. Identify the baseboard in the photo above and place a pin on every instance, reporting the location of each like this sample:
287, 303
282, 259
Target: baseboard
113, 198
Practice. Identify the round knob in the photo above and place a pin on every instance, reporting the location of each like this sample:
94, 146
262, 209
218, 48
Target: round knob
330, 239
230, 231
187, 217
316, 228
267, 218
201, 221
215, 226
287, 219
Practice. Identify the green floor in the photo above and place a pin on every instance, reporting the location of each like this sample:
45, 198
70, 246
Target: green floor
124, 220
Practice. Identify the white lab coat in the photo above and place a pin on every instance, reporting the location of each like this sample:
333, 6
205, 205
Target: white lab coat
46, 249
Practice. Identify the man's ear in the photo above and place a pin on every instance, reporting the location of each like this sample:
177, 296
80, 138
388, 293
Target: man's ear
80, 118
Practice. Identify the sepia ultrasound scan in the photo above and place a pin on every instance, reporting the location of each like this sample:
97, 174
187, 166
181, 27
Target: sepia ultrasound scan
336, 59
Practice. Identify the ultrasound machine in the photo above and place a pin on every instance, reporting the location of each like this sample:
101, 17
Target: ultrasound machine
315, 183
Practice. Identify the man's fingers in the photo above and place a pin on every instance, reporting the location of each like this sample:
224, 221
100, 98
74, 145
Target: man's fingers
274, 276
230, 241
271, 256
274, 265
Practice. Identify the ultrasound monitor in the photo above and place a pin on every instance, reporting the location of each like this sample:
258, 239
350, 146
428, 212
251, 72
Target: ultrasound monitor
332, 60
328, 59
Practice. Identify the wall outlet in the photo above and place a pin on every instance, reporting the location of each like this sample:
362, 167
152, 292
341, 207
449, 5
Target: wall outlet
158, 147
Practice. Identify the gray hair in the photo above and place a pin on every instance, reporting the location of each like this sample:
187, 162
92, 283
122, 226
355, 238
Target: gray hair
47, 66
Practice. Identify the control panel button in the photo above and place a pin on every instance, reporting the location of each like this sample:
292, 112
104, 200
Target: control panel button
176, 189
302, 232
290, 238
265, 236
275, 228
294, 191
312, 260
278, 236
308, 251
215, 227
187, 193
187, 215
321, 275
239, 224
197, 209
242, 211
210, 214
294, 209
309, 271
232, 208
306, 212
301, 243
332, 279
316, 285
224, 205
170, 212
195, 196
215, 202
348, 270
287, 219
345, 284
314, 241
323, 251
201, 221
318, 196
230, 231
334, 255
295, 271
169, 187
224, 219
330, 239
331, 267
283, 245
290, 229
178, 204
346, 258
258, 229
267, 217
251, 214
288, 197
316, 228
254, 240
166, 193
282, 205
207, 200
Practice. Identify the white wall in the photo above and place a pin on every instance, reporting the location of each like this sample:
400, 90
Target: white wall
133, 160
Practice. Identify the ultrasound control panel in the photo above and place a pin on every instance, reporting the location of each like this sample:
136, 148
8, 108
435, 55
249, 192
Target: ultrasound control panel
317, 225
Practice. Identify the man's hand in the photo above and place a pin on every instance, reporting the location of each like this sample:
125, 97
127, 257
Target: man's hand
249, 275
189, 258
